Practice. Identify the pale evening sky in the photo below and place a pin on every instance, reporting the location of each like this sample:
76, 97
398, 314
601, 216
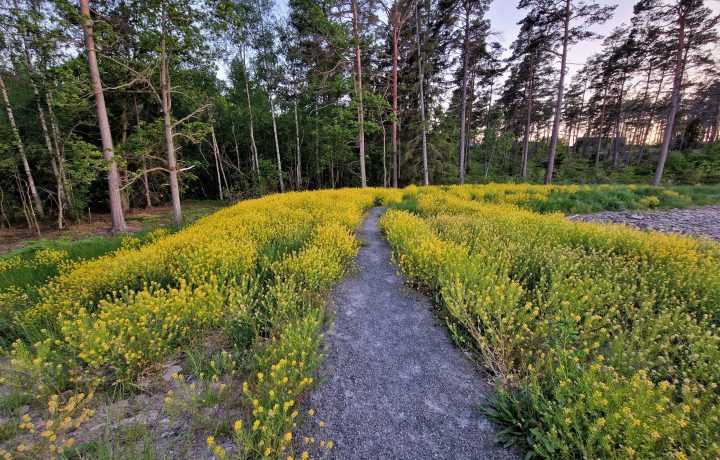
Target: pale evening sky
504, 16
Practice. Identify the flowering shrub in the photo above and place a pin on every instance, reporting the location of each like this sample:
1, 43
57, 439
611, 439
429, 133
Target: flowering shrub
258, 268
604, 339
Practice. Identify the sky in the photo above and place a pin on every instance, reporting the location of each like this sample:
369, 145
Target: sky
504, 15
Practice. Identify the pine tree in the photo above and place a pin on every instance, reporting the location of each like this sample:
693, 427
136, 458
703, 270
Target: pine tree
692, 28
566, 23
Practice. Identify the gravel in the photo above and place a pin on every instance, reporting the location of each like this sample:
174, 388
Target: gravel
393, 386
703, 221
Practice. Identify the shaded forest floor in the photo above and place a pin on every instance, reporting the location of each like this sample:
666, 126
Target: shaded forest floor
20, 239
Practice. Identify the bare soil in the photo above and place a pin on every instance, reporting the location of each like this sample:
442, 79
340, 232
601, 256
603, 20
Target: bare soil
18, 236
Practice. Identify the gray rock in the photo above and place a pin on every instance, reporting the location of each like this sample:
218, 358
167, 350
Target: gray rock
170, 371
702, 221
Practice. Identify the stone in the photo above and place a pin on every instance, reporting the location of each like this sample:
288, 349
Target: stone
170, 371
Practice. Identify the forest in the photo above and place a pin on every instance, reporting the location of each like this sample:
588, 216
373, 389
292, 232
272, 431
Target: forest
118, 104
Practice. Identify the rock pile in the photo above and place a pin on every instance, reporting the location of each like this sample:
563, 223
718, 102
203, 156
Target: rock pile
703, 221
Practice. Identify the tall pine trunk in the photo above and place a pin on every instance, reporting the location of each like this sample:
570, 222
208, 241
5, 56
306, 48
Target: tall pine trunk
528, 121
463, 97
423, 127
674, 100
560, 93
618, 120
116, 212
48, 145
216, 155
384, 150
646, 92
235, 142
52, 154
716, 124
579, 121
125, 123
359, 92
394, 129
601, 128
298, 157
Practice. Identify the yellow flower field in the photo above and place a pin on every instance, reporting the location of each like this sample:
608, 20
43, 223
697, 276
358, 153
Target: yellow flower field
604, 339
257, 269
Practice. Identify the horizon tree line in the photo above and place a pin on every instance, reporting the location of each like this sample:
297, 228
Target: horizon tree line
114, 104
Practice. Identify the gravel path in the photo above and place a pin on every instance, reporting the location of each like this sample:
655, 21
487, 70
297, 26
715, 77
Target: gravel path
698, 221
393, 386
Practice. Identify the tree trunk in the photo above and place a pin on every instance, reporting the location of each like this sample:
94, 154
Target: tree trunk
560, 94
60, 153
277, 142
716, 125
167, 122
237, 149
26, 201
116, 212
394, 130
641, 117
674, 100
253, 146
426, 173
579, 121
21, 150
31, 69
384, 136
143, 160
468, 120
601, 128
298, 157
48, 146
359, 92
54, 157
125, 193
650, 120
216, 154
318, 170
528, 122
618, 119
463, 97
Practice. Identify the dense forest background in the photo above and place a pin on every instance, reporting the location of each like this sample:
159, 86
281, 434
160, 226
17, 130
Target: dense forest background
116, 104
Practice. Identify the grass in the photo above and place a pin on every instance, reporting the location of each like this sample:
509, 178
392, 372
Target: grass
24, 270
598, 198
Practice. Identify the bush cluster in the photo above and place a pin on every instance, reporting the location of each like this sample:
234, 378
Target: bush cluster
604, 340
256, 272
